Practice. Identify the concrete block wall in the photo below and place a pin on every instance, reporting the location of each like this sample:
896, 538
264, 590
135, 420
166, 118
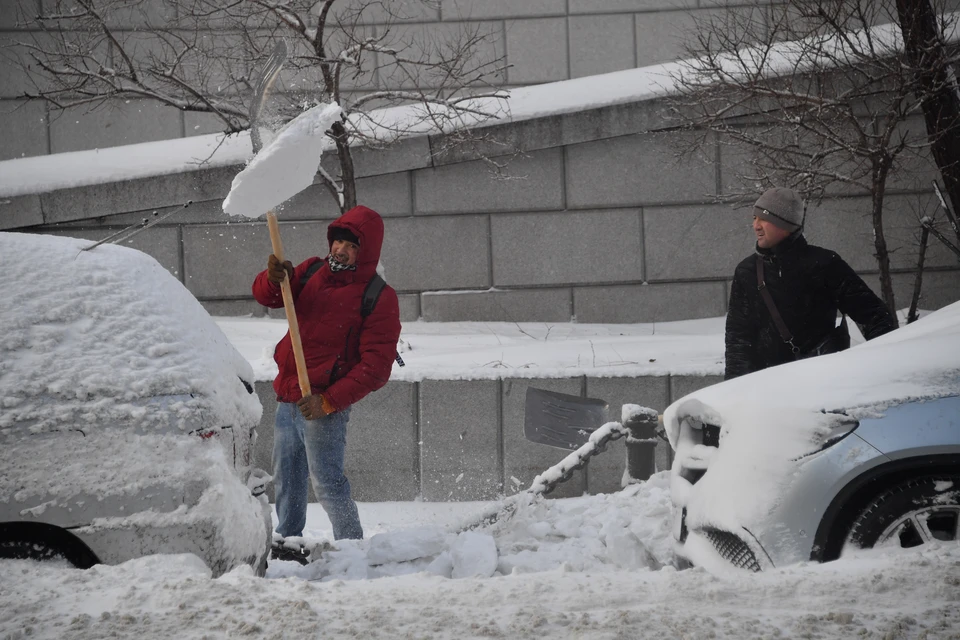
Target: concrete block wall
446, 440
541, 41
607, 230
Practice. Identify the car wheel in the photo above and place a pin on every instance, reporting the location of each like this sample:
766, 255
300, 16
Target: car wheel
36, 541
911, 513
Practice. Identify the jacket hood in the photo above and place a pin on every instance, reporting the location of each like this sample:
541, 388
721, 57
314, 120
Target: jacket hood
367, 225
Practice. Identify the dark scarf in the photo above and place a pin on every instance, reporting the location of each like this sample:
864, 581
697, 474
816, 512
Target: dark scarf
336, 265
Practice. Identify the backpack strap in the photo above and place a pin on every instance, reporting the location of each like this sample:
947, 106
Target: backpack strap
312, 269
371, 295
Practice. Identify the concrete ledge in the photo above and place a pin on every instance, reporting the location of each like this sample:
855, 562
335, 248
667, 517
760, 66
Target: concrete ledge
20, 212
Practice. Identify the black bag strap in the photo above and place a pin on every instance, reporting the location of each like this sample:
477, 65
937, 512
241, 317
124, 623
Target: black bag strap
777, 318
371, 295
312, 269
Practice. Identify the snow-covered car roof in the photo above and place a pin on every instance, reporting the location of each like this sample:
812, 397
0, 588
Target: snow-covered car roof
916, 362
108, 337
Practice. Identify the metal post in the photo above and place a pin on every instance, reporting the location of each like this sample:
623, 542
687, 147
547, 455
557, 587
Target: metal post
641, 422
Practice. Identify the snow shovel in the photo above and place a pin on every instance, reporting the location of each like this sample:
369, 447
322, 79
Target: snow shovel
279, 171
561, 420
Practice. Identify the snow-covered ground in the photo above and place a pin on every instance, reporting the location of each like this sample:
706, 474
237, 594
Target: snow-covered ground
588, 567
585, 567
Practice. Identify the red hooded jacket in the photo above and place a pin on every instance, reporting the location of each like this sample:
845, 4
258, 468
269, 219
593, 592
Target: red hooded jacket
347, 356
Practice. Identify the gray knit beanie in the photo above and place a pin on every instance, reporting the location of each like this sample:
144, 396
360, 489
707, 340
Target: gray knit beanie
782, 207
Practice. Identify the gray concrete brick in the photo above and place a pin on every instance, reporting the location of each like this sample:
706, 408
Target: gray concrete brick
938, 289
523, 460
650, 302
560, 248
115, 123
196, 213
635, 170
23, 129
428, 41
470, 186
128, 15
660, 36
460, 440
486, 9
20, 212
537, 50
382, 458
605, 472
682, 385
388, 195
222, 260
234, 308
200, 124
521, 305
620, 6
379, 12
704, 241
17, 14
19, 74
844, 225
160, 243
402, 155
409, 307
600, 44
143, 194
441, 252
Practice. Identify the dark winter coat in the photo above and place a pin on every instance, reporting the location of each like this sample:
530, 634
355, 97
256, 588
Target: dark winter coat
808, 285
347, 356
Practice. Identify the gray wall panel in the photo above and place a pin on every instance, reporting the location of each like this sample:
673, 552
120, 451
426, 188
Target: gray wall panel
460, 440
448, 252
382, 458
694, 242
561, 248
537, 50
523, 305
633, 170
524, 460
650, 302
536, 184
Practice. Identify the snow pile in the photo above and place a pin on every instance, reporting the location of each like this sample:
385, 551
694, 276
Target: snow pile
108, 336
875, 594
611, 532
285, 167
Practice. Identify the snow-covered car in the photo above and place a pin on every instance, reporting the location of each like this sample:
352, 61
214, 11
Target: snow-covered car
127, 419
808, 459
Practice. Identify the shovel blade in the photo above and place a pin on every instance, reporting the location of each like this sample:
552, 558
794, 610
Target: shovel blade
561, 420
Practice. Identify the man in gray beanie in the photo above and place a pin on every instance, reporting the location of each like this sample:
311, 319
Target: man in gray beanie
785, 297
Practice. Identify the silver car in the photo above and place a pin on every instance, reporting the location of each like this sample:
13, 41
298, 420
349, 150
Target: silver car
127, 419
804, 460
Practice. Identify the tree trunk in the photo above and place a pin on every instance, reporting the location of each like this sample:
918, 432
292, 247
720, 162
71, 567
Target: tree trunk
347, 175
881, 169
938, 93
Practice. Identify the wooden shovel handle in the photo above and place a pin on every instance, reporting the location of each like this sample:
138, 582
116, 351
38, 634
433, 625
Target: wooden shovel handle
288, 307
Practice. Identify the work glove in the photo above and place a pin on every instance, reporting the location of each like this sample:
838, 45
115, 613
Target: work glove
315, 407
276, 271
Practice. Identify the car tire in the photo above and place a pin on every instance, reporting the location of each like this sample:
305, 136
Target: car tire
911, 513
38, 541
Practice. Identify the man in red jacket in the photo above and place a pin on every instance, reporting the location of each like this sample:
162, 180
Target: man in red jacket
347, 356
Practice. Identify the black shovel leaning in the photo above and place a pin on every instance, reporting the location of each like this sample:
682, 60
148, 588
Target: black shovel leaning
566, 422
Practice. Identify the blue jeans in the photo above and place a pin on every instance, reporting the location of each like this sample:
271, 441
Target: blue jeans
313, 448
